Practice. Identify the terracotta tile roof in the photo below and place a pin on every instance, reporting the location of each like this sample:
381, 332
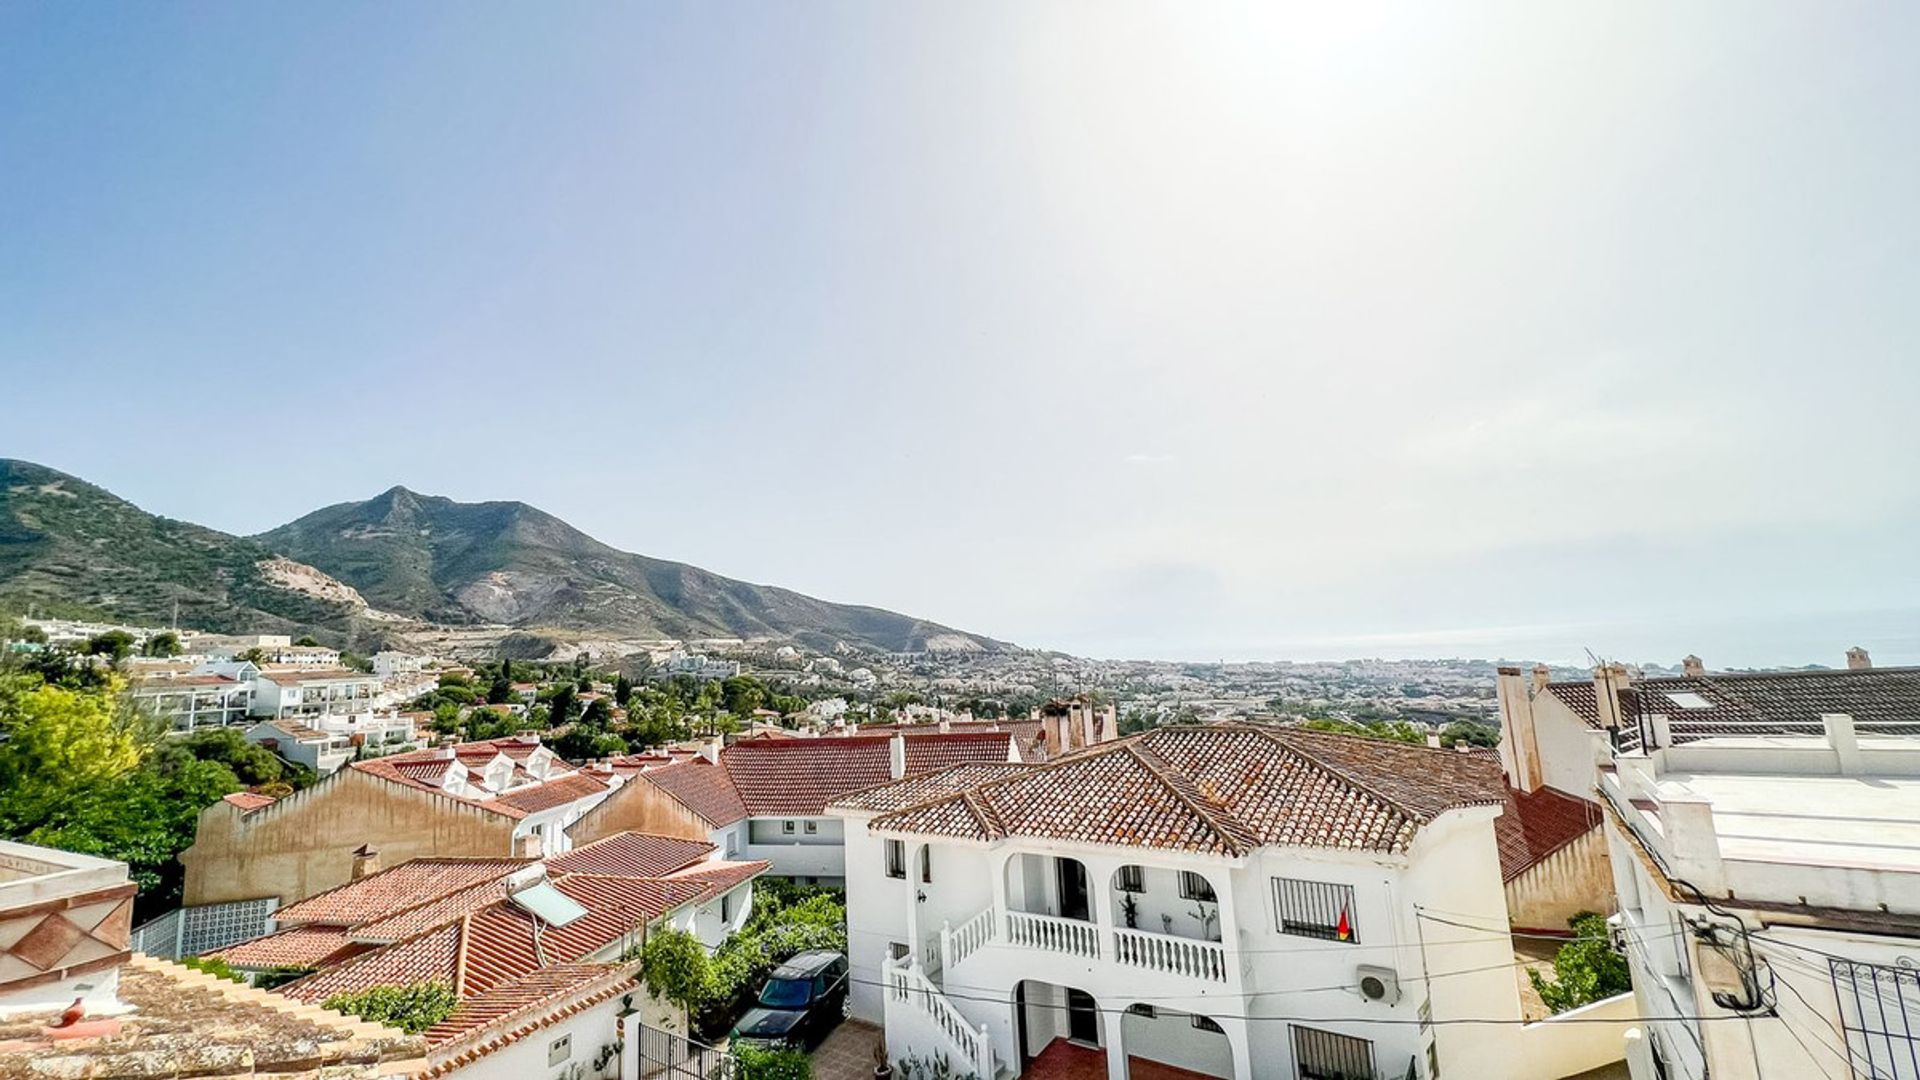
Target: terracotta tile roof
569, 788
898, 794
297, 676
701, 787
1535, 826
1889, 696
631, 854
719, 875
524, 1000
800, 776
1221, 789
396, 889
496, 944
430, 912
957, 748
247, 800
297, 946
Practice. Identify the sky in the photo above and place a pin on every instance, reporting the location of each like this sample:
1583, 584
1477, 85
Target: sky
1194, 331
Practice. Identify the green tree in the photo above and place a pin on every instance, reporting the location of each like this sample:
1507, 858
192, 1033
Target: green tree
252, 763
763, 1063
742, 694
500, 691
307, 642
560, 705
412, 1008
61, 741
115, 644
1462, 731
1585, 970
622, 691
163, 644
255, 655
598, 713
676, 968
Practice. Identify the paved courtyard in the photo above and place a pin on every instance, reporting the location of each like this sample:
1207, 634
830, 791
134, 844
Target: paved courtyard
847, 1054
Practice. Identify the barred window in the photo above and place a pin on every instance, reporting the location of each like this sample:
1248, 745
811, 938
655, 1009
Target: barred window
1329, 1055
1143, 1010
1206, 1023
1195, 887
1315, 909
1133, 879
1880, 1013
896, 858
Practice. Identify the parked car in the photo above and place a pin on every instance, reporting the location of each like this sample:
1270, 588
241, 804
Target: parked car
802, 1000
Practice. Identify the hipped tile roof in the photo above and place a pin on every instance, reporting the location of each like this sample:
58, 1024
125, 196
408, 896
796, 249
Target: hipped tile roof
297, 946
898, 794
396, 889
1219, 789
631, 854
1536, 825
1873, 695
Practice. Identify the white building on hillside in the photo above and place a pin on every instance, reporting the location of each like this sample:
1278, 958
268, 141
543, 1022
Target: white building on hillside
1234, 900
1764, 832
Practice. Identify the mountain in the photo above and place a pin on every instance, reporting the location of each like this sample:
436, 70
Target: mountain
73, 548
506, 562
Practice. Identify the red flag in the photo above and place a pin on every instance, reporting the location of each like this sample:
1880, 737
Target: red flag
1345, 929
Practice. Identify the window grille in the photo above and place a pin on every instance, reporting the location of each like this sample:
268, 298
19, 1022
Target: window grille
1133, 879
896, 858
1329, 1055
1880, 1013
1206, 1023
1195, 887
1143, 1010
1315, 909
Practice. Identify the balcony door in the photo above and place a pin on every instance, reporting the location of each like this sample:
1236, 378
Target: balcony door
1072, 877
1083, 1017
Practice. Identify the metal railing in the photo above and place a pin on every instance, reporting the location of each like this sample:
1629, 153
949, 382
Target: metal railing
1175, 955
668, 1055
1071, 936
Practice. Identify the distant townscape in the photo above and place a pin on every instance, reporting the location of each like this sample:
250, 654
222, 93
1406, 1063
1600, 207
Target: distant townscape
416, 788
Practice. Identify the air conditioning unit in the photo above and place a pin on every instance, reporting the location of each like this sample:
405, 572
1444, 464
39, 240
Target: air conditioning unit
1380, 984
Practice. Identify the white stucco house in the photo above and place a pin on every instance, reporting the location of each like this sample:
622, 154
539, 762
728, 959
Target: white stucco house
1234, 900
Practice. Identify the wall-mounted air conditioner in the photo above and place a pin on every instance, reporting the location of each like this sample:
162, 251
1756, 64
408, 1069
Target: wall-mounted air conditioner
1380, 984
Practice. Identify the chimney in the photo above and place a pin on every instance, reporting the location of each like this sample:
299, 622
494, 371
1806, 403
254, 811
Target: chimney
897, 755
1858, 660
1608, 681
1542, 675
365, 861
945, 727
1088, 733
1693, 666
1519, 745
1433, 740
711, 750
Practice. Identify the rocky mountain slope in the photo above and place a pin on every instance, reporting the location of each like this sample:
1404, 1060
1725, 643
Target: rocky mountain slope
69, 546
506, 562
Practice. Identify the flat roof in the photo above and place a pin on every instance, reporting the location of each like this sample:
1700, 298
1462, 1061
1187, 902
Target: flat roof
1854, 822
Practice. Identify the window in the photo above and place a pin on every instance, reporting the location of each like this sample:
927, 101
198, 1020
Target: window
786, 828
733, 843
896, 858
1880, 1012
726, 906
1315, 909
1194, 887
926, 865
559, 1050
1205, 1023
1140, 1009
1133, 879
813, 827
1329, 1055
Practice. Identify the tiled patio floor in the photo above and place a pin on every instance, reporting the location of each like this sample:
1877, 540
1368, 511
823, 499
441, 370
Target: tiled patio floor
847, 1054
1062, 1060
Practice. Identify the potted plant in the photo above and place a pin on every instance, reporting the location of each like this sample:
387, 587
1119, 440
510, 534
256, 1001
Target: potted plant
882, 1068
1130, 910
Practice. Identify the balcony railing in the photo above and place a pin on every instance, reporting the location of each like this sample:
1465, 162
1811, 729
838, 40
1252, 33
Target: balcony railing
1070, 936
959, 942
1175, 955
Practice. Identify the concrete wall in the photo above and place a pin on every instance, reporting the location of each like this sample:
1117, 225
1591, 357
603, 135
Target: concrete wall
639, 806
820, 855
1578, 1040
1574, 879
304, 843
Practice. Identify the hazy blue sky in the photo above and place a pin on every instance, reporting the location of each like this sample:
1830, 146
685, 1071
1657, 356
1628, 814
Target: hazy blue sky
1174, 329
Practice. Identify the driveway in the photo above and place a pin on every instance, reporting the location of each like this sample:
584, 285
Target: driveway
847, 1054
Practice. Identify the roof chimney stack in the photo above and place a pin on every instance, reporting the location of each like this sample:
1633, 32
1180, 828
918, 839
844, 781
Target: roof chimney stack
711, 750
365, 861
1858, 660
1694, 666
1608, 681
1542, 675
897, 755
1519, 744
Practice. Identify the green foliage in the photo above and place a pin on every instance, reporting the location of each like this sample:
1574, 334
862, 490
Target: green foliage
760, 1063
742, 694
61, 741
412, 1008
213, 966
453, 678
251, 762
622, 691
1393, 730
931, 1067
355, 662
714, 989
279, 976
307, 642
500, 690
560, 704
163, 644
676, 968
1463, 731
116, 644
1585, 970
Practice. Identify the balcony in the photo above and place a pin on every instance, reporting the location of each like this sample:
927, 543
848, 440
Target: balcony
1167, 954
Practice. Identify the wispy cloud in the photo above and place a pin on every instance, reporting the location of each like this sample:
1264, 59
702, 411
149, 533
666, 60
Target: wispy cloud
1148, 459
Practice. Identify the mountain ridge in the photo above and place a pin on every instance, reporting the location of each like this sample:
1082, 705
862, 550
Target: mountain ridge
68, 544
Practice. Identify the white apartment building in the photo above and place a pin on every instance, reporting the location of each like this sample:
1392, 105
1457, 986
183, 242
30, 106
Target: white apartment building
388, 663
1764, 837
1233, 900
195, 701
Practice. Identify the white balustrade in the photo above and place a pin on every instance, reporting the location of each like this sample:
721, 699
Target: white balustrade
959, 942
907, 987
1176, 955
1071, 936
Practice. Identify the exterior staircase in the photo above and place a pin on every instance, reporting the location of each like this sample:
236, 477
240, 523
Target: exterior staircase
922, 1016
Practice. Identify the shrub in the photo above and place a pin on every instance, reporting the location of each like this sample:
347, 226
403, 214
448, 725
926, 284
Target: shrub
1585, 970
214, 966
758, 1063
412, 1008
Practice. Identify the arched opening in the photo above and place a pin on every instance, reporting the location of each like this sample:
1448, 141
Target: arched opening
1157, 1036
1060, 1027
1160, 900
1053, 885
